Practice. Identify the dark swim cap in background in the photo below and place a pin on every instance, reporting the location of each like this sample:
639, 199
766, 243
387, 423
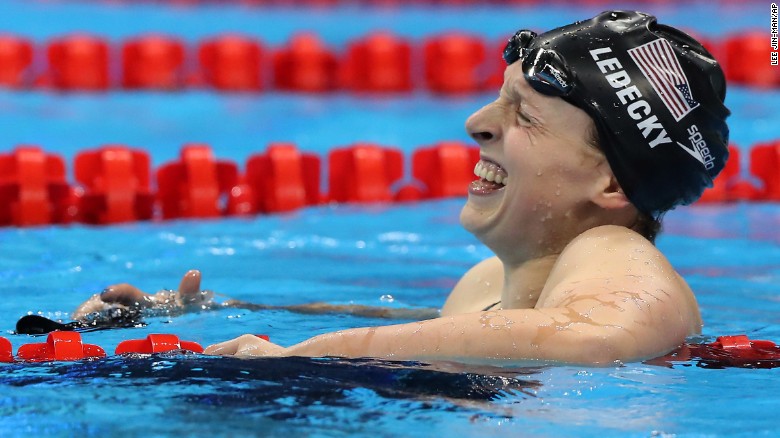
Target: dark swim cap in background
656, 96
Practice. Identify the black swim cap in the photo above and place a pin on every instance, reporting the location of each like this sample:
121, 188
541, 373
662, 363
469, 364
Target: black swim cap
655, 94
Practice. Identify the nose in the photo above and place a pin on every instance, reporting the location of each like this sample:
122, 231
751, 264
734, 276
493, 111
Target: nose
484, 125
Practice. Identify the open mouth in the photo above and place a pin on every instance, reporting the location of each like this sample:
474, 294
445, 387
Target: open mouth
492, 177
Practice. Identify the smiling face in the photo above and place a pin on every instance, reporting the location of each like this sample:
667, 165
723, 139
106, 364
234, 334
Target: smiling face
539, 179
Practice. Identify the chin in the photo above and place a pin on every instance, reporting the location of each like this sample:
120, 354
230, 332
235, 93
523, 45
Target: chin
466, 219
475, 218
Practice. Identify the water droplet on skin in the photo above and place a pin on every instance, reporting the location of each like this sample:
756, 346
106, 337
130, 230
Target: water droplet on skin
539, 172
495, 321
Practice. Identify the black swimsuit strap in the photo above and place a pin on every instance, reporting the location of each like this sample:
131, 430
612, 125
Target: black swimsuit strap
491, 306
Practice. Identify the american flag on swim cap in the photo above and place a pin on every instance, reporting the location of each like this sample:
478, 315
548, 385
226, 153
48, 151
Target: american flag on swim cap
660, 66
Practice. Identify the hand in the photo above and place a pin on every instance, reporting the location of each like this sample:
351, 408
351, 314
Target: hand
246, 346
127, 296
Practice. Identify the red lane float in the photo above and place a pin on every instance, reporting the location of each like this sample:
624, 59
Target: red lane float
117, 184
153, 61
283, 179
446, 169
157, 343
115, 181
728, 186
496, 64
765, 164
33, 190
380, 62
79, 63
726, 351
463, 58
16, 56
192, 186
747, 60
6, 352
231, 63
305, 65
60, 346
363, 172
241, 199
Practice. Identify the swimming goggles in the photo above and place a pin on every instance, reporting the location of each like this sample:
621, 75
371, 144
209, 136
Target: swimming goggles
544, 69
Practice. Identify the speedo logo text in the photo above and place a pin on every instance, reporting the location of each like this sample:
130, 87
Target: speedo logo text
698, 149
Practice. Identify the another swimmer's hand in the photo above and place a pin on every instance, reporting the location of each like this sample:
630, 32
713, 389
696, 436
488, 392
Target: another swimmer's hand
246, 346
130, 297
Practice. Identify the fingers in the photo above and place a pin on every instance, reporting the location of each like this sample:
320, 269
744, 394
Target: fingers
227, 348
189, 287
231, 347
125, 294
245, 346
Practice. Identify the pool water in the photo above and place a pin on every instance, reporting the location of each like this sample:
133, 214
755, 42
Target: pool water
364, 255
405, 255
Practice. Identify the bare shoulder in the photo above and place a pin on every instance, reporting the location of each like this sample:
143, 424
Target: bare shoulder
479, 287
611, 251
612, 264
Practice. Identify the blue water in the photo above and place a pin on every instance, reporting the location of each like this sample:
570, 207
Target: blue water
239, 126
393, 255
415, 253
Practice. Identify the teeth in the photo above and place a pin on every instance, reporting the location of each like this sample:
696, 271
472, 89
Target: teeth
491, 172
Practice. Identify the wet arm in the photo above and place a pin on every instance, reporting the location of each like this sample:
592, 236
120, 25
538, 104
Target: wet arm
596, 329
503, 335
342, 309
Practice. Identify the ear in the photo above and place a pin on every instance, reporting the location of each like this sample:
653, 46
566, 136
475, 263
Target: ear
609, 195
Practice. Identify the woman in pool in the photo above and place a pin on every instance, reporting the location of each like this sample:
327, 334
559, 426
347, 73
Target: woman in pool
599, 128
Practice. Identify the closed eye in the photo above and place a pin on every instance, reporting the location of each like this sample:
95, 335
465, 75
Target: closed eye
524, 119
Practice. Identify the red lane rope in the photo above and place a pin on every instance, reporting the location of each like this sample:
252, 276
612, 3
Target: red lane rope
726, 351
378, 62
115, 183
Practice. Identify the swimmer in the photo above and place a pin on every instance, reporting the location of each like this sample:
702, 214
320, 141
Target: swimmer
129, 304
600, 128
